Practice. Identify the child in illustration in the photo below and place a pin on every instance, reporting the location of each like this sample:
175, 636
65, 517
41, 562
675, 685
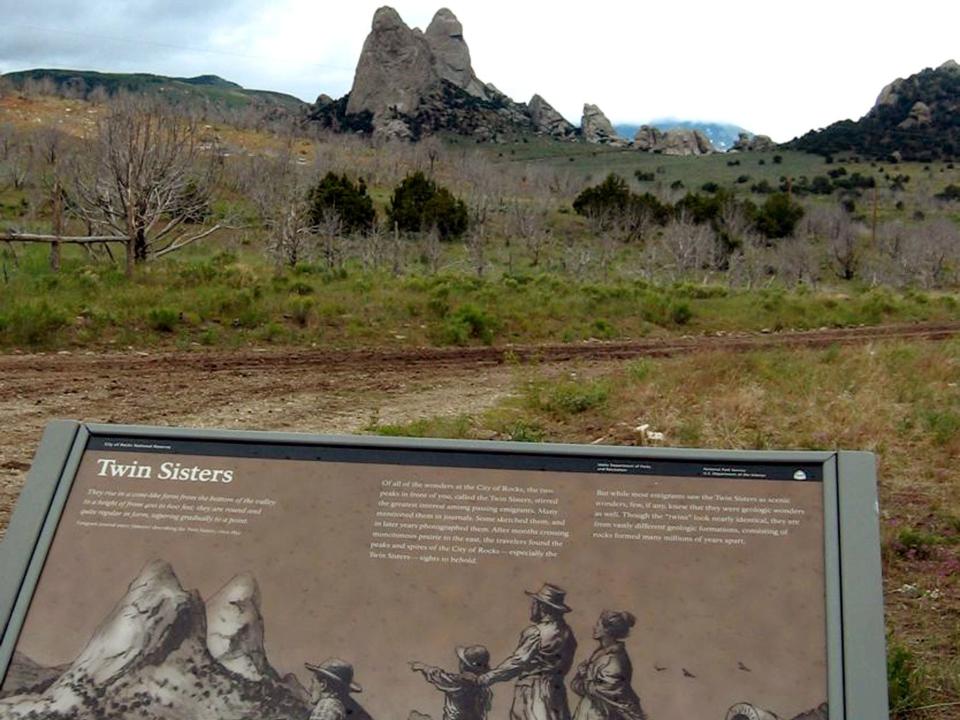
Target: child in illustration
603, 681
464, 697
541, 661
330, 690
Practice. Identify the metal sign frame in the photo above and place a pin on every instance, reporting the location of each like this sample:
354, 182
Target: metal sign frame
856, 652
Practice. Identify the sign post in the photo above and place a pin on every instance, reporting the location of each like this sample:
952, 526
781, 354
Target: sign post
156, 572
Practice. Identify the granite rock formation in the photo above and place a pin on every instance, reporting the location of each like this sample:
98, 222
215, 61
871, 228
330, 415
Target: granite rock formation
596, 128
451, 56
547, 120
409, 84
684, 142
754, 143
647, 138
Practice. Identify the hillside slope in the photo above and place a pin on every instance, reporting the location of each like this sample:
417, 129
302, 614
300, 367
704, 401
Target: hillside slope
917, 118
201, 89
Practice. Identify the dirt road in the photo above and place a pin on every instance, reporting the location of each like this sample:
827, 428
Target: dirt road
319, 391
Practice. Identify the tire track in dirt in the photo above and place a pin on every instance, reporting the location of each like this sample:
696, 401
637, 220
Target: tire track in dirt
372, 360
321, 391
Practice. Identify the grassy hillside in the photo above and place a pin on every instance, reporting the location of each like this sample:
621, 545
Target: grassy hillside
203, 88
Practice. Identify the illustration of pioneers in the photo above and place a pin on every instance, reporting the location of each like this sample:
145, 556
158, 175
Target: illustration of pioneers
173, 574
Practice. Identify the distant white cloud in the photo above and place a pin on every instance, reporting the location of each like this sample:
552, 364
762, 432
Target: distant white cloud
775, 68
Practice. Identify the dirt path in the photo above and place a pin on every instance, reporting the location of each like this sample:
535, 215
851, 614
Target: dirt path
312, 391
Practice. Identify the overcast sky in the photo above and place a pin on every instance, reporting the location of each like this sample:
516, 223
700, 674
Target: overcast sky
773, 67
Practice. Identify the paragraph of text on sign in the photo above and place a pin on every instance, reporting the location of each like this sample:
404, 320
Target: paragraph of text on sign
700, 518
463, 523
199, 514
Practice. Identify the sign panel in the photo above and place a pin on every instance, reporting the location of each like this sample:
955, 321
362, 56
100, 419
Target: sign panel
175, 574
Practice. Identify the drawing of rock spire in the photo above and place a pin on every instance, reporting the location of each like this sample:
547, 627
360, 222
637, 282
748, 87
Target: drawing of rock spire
235, 629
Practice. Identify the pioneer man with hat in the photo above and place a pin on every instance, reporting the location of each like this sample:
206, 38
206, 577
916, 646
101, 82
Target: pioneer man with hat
464, 697
331, 688
542, 659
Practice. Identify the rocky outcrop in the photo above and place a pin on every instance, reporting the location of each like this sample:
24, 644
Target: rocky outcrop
451, 56
914, 118
647, 138
889, 95
547, 120
395, 71
753, 143
684, 142
596, 128
409, 84
920, 114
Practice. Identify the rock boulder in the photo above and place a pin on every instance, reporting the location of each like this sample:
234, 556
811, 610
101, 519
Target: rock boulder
684, 142
753, 143
596, 128
647, 138
547, 120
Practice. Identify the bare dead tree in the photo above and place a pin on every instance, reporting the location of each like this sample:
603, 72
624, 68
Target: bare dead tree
527, 223
52, 147
146, 176
796, 261
7, 140
578, 256
432, 250
19, 158
476, 239
329, 229
374, 247
281, 200
931, 254
682, 248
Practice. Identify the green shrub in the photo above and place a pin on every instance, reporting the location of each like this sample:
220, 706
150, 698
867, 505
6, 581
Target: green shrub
524, 431
467, 323
32, 323
603, 329
906, 685
163, 319
301, 288
911, 542
419, 205
348, 200
681, 313
639, 370
943, 425
950, 192
778, 216
568, 397
301, 309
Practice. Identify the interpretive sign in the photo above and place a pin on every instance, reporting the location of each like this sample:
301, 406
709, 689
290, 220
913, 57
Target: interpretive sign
158, 573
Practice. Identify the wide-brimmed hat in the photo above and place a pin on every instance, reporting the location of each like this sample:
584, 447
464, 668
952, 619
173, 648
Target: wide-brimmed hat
475, 657
551, 595
338, 670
